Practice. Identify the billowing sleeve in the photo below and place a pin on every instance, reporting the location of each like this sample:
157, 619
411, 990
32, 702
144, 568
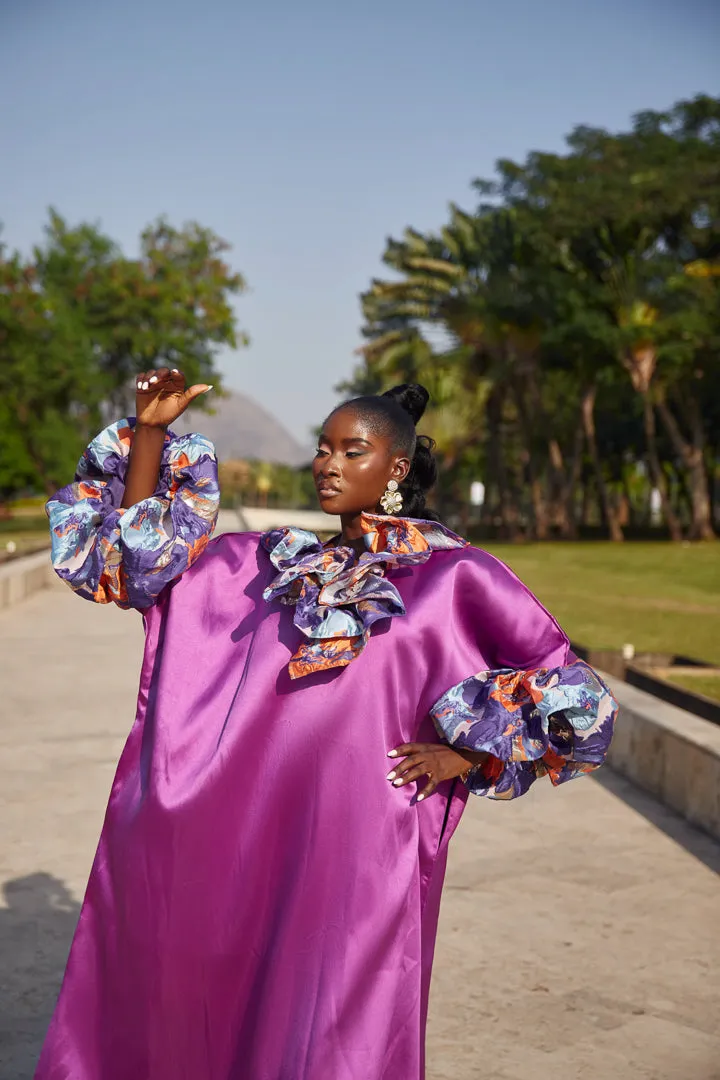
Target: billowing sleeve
127, 556
527, 703
552, 721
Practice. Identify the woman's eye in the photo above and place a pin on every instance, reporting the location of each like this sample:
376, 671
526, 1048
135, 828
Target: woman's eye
354, 453
319, 452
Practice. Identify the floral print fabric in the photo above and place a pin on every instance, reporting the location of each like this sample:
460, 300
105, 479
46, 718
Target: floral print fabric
337, 596
556, 722
128, 556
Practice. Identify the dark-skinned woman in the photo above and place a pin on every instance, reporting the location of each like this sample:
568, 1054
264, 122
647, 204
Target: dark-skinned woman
311, 718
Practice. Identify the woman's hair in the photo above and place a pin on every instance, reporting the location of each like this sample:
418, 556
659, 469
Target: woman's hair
394, 415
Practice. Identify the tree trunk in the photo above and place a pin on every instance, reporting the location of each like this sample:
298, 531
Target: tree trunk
607, 509
586, 502
573, 480
656, 474
641, 364
537, 500
563, 484
551, 506
496, 460
540, 521
692, 456
536, 419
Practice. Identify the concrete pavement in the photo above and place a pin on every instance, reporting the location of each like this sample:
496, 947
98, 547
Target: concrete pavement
579, 935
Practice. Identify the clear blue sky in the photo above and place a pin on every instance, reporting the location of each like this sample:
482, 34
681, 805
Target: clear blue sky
306, 132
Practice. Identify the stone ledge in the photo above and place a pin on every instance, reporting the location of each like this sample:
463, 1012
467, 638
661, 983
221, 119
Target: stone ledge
255, 519
20, 578
670, 753
23, 577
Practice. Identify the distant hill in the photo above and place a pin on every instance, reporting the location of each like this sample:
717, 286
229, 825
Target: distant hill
243, 429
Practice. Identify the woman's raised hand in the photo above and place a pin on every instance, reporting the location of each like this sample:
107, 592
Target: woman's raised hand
160, 396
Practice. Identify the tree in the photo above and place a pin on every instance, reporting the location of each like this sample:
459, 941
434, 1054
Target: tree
626, 213
80, 318
48, 399
579, 279
169, 307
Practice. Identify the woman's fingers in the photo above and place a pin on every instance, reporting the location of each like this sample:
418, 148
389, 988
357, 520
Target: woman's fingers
158, 380
176, 379
399, 773
148, 382
423, 768
412, 748
197, 390
412, 770
429, 788
415, 763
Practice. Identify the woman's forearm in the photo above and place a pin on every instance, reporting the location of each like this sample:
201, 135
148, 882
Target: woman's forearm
144, 467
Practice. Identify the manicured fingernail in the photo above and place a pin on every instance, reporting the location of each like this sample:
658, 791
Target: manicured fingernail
154, 379
208, 390
398, 782
146, 386
391, 775
175, 371
420, 798
139, 386
392, 753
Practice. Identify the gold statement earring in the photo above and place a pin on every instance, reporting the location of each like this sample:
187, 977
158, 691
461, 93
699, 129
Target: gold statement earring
392, 500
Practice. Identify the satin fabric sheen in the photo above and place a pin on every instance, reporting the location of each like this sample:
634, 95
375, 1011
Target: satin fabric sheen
263, 903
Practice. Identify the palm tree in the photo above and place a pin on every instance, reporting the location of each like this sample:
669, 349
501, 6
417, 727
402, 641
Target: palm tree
461, 317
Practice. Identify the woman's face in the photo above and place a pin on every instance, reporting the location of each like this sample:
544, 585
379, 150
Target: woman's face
353, 465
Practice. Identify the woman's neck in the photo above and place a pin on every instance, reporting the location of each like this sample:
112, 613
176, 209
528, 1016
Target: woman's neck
352, 529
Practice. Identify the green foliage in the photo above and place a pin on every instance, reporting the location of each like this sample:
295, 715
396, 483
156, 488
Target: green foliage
569, 326
79, 319
46, 389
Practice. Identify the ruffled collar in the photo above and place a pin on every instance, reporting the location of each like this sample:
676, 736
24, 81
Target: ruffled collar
337, 595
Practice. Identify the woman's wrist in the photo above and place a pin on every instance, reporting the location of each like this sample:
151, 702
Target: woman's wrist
141, 428
473, 758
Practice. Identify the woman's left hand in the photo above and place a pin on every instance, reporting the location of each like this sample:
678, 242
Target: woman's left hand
435, 761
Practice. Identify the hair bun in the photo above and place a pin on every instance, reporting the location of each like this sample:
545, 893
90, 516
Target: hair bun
412, 397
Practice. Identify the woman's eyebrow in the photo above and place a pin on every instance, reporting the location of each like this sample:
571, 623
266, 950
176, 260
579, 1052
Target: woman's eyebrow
322, 438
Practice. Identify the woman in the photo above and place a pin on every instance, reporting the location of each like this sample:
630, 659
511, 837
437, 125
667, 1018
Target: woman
265, 895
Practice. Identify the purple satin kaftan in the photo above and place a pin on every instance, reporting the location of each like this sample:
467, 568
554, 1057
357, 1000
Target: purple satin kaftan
263, 903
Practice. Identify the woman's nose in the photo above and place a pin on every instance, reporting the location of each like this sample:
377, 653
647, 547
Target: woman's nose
331, 467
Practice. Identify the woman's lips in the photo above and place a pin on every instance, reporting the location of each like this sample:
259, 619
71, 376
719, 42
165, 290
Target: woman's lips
326, 492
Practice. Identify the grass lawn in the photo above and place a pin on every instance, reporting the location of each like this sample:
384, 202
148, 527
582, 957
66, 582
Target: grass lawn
27, 533
23, 525
700, 684
656, 596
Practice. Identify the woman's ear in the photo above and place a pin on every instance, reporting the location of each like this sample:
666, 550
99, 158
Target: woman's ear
400, 469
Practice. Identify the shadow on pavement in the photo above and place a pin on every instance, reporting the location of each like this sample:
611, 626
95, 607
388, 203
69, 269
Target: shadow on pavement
36, 929
697, 843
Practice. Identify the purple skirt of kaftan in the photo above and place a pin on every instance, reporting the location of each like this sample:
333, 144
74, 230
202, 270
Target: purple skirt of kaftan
263, 903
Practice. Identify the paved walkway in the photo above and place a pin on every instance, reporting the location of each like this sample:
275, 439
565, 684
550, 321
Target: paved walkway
580, 934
